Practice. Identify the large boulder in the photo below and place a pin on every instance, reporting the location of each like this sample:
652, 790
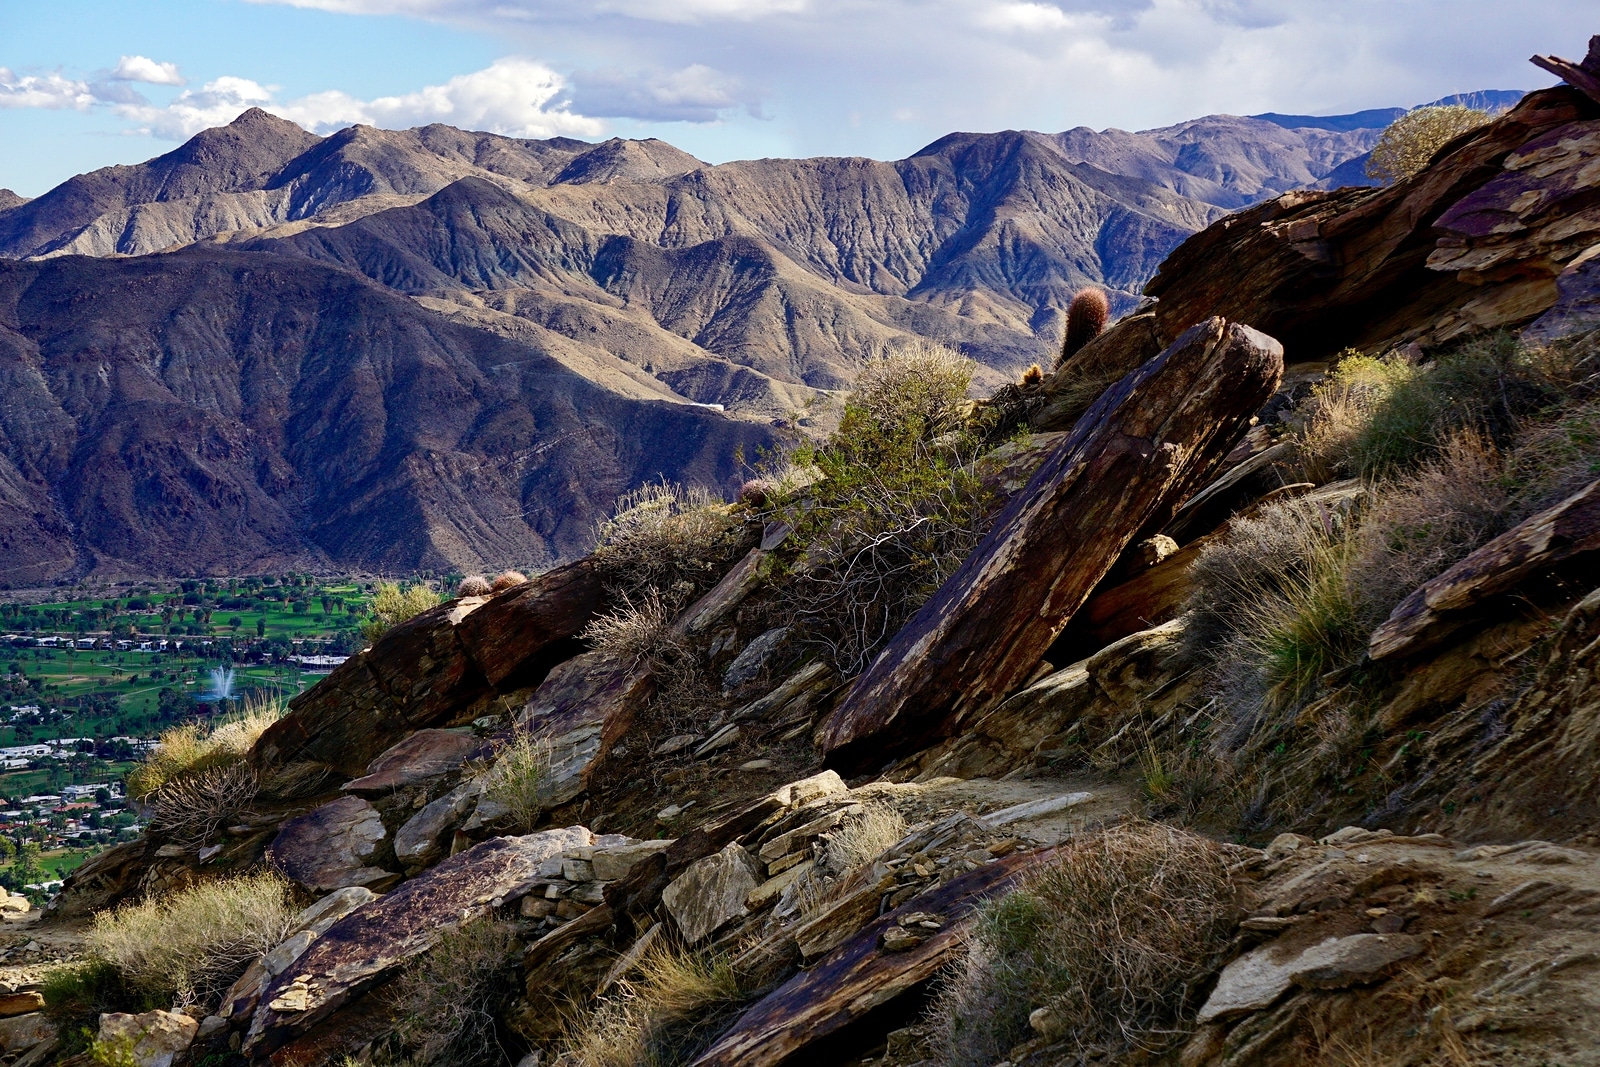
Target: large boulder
151, 1039
581, 710
712, 892
1148, 443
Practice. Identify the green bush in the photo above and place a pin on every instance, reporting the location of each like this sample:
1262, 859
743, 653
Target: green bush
392, 606
898, 504
518, 778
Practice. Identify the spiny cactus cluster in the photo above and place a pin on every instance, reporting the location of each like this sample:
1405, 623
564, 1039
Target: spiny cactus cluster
1086, 318
479, 585
1033, 375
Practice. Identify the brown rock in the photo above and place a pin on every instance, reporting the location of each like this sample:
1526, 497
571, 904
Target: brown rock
1134, 457
581, 710
1448, 602
858, 977
21, 1003
328, 847
421, 757
371, 943
711, 893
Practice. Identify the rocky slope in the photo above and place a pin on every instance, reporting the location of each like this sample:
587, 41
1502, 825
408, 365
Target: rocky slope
1399, 843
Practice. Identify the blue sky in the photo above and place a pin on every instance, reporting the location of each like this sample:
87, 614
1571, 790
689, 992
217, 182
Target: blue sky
88, 83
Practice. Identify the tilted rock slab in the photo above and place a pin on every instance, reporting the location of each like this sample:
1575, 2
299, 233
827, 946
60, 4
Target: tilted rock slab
860, 975
581, 710
1144, 446
425, 672
369, 945
329, 847
1445, 603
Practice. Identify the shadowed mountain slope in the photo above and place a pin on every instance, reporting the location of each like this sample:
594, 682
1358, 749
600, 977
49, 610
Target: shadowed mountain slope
222, 411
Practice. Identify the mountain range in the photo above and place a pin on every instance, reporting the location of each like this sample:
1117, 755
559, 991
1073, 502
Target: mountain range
437, 349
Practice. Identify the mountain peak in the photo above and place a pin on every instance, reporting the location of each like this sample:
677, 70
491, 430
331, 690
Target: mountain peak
9, 199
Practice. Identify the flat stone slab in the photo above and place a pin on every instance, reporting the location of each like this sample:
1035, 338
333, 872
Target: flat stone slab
420, 841
711, 892
1255, 981
581, 709
327, 848
371, 943
421, 757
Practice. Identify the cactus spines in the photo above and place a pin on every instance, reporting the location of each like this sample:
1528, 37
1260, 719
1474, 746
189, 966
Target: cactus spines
1033, 375
474, 585
506, 579
1086, 317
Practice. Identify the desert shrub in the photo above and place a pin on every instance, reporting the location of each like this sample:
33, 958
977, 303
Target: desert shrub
75, 996
193, 810
1423, 522
449, 1000
1086, 319
898, 506
667, 539
188, 947
1113, 936
862, 838
664, 1014
1556, 456
474, 585
1376, 418
1410, 141
639, 633
191, 748
518, 777
392, 606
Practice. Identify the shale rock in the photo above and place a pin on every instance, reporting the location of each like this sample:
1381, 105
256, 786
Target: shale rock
153, 1039
328, 847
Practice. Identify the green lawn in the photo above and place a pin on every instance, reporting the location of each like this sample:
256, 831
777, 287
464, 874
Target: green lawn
61, 862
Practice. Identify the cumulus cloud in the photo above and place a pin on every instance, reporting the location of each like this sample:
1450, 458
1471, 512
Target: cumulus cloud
514, 96
144, 69
52, 91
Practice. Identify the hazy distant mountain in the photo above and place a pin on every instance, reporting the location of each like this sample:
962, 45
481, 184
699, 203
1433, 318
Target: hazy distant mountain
430, 347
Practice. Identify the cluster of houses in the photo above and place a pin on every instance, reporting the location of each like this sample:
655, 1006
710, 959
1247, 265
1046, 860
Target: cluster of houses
15, 757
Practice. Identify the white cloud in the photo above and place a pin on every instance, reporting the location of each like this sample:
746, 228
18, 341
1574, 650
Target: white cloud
52, 91
143, 69
216, 103
511, 96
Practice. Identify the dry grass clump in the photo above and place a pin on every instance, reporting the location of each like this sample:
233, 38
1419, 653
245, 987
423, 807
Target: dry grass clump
450, 999
1113, 937
665, 1013
474, 585
898, 506
1411, 140
666, 538
192, 811
392, 606
862, 838
640, 633
187, 948
191, 748
518, 778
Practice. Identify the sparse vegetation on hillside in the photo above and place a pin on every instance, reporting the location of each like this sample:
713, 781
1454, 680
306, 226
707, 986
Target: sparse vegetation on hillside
662, 1014
517, 779
898, 506
666, 539
186, 948
1411, 140
1112, 939
449, 1001
192, 748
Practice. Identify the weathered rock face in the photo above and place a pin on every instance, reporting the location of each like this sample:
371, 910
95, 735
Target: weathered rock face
423, 757
711, 893
153, 1039
1143, 447
878, 963
1368, 268
368, 945
427, 671
329, 847
580, 711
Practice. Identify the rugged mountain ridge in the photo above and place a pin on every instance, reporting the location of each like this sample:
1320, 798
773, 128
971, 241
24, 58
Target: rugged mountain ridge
756, 286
